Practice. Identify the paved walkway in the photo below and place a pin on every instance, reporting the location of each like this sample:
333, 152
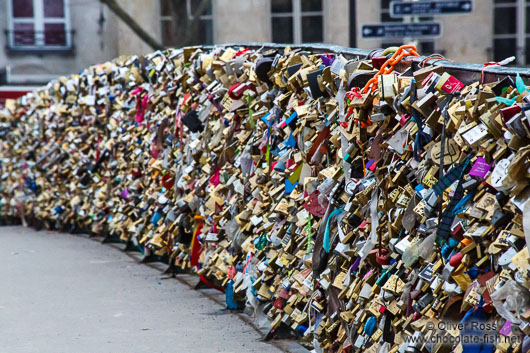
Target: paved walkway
65, 293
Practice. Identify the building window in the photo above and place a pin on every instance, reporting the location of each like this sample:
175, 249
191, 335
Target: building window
425, 47
297, 21
511, 30
190, 32
38, 25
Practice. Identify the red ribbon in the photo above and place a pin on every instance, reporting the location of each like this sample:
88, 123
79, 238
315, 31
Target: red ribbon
141, 103
491, 63
140, 108
196, 247
241, 52
355, 92
210, 284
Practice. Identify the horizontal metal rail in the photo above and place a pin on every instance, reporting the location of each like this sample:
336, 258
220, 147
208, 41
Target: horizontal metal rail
467, 73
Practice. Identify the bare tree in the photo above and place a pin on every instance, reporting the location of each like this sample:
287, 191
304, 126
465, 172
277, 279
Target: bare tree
185, 27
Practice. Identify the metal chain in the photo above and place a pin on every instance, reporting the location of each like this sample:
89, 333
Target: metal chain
388, 66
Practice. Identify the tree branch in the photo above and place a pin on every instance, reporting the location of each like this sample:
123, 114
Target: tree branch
132, 24
186, 29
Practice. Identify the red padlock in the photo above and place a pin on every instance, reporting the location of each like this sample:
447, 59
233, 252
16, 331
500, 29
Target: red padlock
378, 62
456, 259
237, 89
168, 181
382, 257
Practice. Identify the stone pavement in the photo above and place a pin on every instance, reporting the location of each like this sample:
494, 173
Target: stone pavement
66, 293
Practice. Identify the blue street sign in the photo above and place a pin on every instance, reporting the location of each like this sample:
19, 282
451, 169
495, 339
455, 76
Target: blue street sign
430, 8
400, 30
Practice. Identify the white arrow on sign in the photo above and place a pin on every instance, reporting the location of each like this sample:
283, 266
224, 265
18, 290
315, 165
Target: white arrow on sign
367, 31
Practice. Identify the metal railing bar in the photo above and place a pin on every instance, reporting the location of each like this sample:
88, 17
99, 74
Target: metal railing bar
465, 71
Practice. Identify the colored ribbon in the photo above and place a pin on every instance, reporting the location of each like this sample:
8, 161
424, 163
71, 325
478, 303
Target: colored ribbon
447, 217
141, 105
308, 231
494, 63
195, 245
241, 52
421, 138
326, 242
179, 127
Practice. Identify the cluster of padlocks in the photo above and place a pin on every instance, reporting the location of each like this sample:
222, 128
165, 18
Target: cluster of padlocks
354, 206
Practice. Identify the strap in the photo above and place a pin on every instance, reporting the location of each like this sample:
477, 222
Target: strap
421, 138
326, 242
446, 219
322, 135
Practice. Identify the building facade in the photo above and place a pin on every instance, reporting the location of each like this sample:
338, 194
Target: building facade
44, 39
